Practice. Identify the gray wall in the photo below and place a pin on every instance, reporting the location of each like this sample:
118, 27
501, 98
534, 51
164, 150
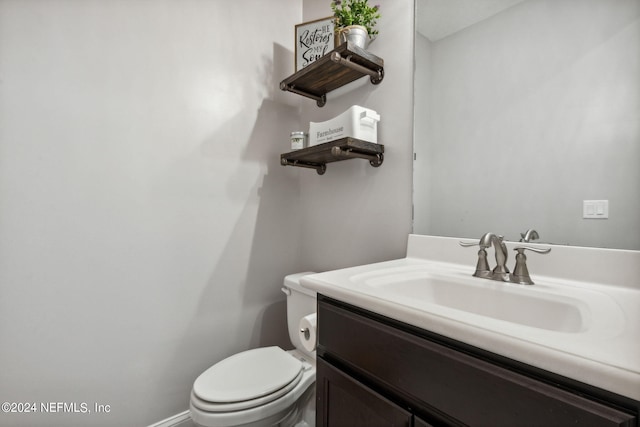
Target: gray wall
354, 213
145, 221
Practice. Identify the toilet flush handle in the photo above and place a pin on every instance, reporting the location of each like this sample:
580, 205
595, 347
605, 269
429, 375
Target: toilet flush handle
287, 291
306, 333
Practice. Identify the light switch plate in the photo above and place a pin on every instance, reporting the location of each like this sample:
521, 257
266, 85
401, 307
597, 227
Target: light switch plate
595, 209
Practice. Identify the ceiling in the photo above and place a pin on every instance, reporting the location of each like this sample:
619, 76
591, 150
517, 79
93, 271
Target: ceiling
436, 19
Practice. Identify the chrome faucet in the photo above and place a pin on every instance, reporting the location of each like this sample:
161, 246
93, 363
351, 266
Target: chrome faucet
501, 272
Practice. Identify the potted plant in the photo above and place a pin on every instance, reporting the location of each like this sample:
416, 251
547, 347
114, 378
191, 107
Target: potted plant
355, 21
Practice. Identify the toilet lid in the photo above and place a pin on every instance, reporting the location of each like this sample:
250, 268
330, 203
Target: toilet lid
248, 375
244, 404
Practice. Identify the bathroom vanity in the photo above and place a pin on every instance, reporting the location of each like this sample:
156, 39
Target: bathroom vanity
399, 346
374, 371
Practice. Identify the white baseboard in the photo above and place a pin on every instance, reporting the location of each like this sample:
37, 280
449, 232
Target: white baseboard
177, 420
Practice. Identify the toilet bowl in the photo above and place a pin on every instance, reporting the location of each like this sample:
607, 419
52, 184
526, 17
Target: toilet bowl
266, 386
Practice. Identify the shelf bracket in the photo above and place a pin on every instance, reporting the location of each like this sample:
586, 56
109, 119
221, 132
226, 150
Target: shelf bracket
320, 100
376, 76
375, 160
320, 168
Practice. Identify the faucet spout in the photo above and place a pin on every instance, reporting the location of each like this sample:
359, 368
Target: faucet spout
500, 272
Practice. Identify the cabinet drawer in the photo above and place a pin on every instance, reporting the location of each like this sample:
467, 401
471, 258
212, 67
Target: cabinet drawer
447, 383
347, 403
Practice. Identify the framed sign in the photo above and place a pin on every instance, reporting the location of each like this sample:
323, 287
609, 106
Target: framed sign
314, 39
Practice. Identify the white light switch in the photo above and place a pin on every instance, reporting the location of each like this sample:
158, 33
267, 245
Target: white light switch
595, 209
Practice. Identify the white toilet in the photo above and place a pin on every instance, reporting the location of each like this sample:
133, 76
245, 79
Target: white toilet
265, 386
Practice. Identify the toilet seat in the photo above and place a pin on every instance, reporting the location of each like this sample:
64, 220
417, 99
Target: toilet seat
246, 380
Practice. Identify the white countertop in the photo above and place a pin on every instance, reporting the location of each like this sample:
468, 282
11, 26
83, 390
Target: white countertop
602, 349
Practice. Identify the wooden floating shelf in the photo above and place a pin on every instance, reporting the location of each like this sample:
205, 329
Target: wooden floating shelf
318, 156
342, 65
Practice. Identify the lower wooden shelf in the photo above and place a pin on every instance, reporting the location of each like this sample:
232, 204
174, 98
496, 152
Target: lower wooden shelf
318, 156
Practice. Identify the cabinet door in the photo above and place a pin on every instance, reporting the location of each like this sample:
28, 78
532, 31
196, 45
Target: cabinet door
344, 402
417, 422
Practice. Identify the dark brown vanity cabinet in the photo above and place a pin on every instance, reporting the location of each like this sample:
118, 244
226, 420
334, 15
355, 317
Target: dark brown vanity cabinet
375, 371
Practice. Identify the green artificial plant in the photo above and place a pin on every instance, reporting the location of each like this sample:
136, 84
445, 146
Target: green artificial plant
355, 12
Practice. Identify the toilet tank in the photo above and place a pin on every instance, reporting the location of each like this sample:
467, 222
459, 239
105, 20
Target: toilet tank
300, 302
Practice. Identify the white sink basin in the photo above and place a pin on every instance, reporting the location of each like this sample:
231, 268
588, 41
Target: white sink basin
583, 329
496, 300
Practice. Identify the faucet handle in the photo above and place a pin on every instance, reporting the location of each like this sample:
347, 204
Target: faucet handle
521, 272
521, 249
482, 267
